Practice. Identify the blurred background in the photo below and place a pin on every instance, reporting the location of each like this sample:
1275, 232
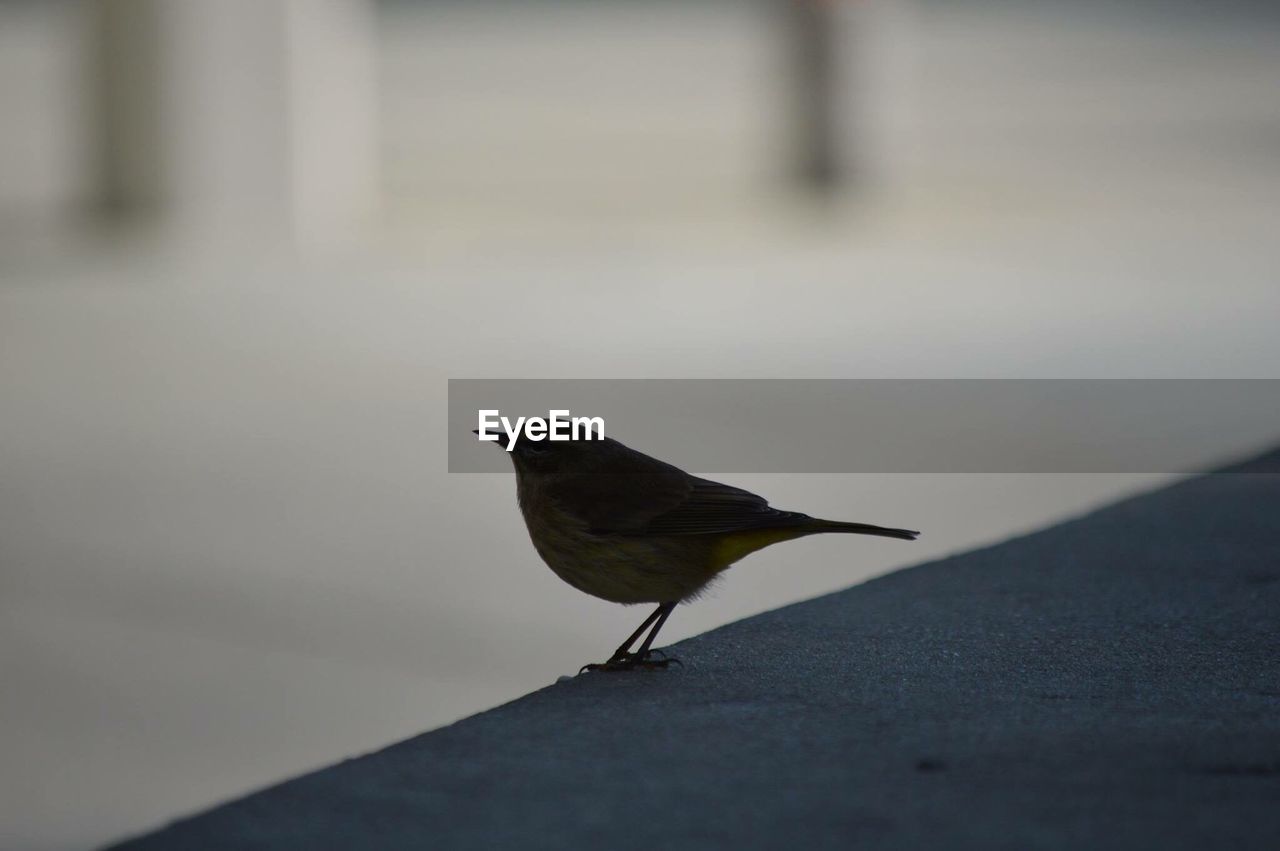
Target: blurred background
243, 245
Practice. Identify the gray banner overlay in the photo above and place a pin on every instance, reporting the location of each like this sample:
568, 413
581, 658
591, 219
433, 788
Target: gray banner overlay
893, 425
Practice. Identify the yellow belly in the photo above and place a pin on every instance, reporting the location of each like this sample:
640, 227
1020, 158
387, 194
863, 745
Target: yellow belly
738, 545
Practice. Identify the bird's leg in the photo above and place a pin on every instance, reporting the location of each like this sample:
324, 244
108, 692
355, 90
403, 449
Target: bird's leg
624, 651
624, 660
664, 612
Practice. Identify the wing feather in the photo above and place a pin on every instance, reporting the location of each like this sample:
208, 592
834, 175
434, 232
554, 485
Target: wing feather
625, 492
712, 507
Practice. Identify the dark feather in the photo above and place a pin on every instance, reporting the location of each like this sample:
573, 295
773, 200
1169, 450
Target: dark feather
616, 490
712, 507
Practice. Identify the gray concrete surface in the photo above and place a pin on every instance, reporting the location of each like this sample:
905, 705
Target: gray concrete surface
1110, 682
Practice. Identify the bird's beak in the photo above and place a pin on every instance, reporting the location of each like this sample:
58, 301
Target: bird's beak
503, 440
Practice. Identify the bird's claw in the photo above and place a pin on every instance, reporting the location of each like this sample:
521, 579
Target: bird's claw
632, 661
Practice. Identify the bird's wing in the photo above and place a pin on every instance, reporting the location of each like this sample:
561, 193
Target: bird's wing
655, 503
711, 507
629, 493
619, 503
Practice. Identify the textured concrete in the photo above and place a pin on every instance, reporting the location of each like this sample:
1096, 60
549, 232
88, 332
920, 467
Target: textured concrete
1111, 682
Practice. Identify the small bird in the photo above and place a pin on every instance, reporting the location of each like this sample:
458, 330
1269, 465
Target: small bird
624, 527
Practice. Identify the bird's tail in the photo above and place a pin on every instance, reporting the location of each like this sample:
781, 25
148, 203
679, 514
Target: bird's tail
863, 529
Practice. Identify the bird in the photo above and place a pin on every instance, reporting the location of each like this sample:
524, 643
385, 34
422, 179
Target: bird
625, 527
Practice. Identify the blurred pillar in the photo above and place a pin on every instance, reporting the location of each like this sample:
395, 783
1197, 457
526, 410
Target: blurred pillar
42, 174
813, 38
125, 96
240, 119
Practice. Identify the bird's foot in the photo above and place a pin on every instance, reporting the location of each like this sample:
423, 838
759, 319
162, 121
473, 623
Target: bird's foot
653, 660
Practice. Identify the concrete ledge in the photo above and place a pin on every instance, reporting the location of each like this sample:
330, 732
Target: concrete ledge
1111, 682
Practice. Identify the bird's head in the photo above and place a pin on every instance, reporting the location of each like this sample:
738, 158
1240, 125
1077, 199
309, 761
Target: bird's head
548, 457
